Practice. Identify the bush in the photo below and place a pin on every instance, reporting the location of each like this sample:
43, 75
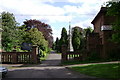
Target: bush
114, 54
94, 56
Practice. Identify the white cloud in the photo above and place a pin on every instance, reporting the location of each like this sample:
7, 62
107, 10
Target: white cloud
50, 12
1, 10
57, 33
38, 9
87, 2
53, 19
83, 24
28, 7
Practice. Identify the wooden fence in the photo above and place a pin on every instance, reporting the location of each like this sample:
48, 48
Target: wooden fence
20, 57
16, 57
73, 56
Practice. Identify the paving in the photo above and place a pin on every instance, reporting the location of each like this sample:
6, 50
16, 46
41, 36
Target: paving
49, 68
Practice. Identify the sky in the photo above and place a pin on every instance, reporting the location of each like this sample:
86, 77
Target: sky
56, 13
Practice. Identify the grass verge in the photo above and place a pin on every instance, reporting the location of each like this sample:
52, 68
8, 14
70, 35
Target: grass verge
79, 62
109, 71
85, 62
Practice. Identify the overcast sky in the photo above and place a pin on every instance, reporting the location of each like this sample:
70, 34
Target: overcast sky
56, 13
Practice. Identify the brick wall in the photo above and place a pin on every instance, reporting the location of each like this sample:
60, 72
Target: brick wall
93, 41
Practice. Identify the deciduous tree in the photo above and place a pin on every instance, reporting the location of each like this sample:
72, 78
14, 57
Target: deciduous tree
10, 34
35, 37
44, 28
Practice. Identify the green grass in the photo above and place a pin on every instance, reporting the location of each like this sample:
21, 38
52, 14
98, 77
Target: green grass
86, 61
111, 71
78, 62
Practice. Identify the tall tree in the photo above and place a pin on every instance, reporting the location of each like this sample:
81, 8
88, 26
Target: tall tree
114, 10
64, 38
76, 39
10, 33
35, 37
87, 31
57, 47
44, 28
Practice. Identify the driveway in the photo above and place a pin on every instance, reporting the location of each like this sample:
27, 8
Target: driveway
48, 69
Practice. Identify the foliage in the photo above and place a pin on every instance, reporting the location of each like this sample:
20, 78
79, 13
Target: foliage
14, 35
10, 34
53, 46
83, 39
22, 33
110, 71
87, 31
113, 9
33, 36
64, 38
114, 54
83, 44
44, 28
93, 56
36, 38
76, 39
44, 53
57, 47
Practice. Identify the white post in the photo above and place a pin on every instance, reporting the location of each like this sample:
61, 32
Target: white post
70, 47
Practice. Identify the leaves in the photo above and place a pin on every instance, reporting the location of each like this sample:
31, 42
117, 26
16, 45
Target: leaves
57, 46
113, 9
76, 39
44, 28
35, 37
10, 33
64, 38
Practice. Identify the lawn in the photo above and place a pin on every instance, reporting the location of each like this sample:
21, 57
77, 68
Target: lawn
111, 71
79, 62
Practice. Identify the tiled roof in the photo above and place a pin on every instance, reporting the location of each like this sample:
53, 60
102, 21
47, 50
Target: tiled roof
102, 11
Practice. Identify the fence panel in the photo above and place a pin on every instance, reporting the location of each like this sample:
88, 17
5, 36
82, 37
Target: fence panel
73, 56
16, 57
7, 57
24, 58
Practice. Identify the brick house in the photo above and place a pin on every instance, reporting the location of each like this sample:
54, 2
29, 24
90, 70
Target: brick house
99, 40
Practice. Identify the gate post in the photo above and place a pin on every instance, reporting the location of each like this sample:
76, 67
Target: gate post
14, 57
34, 54
64, 54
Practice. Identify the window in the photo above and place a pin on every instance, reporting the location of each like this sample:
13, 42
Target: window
106, 27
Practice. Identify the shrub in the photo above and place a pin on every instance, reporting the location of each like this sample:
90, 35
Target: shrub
94, 56
114, 54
